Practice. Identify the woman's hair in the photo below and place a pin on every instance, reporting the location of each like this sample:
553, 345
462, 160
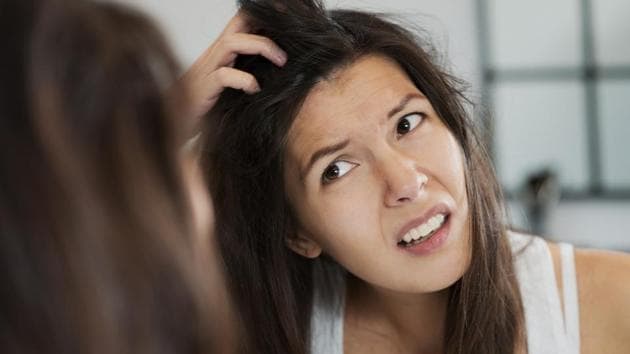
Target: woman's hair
96, 243
245, 145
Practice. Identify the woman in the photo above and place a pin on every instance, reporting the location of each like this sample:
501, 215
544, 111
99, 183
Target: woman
358, 211
104, 221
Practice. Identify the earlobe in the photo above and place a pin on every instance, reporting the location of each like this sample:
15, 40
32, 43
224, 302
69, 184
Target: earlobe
304, 246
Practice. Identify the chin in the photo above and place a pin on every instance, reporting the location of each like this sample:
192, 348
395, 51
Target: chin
446, 271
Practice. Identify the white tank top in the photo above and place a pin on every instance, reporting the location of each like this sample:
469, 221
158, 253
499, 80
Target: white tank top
548, 330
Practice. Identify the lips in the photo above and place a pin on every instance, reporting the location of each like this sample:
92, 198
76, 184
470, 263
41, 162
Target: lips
421, 222
424, 231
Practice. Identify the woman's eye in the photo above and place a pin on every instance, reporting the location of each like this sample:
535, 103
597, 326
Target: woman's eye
335, 170
409, 123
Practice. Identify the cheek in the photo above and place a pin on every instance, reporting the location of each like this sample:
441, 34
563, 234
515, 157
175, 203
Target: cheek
344, 217
449, 167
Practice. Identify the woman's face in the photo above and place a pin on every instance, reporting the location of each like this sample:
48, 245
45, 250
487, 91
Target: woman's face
377, 180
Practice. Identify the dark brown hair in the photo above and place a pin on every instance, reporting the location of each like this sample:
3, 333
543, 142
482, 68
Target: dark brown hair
244, 151
96, 250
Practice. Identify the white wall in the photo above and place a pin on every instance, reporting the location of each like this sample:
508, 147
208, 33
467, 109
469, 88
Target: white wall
587, 223
191, 25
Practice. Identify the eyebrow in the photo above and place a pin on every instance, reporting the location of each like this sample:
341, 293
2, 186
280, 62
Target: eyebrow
331, 149
325, 151
403, 103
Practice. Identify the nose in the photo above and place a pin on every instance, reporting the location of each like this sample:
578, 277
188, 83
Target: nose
404, 179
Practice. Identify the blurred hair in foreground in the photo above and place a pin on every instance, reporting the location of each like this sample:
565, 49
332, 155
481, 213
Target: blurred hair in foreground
97, 248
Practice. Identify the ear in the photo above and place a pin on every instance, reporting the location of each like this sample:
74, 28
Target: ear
304, 245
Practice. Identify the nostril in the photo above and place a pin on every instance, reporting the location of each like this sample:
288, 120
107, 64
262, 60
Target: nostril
404, 199
407, 190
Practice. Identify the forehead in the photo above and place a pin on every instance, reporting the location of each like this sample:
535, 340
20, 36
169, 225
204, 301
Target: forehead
369, 87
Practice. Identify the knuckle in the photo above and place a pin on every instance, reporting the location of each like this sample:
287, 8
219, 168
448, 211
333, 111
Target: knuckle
269, 46
248, 81
225, 43
267, 42
222, 74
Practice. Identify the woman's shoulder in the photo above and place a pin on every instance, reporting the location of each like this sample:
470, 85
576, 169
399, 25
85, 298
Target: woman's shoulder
603, 279
603, 285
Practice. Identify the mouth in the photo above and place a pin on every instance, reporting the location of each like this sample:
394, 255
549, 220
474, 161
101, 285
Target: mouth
421, 230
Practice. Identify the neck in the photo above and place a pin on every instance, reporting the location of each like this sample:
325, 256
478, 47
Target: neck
416, 322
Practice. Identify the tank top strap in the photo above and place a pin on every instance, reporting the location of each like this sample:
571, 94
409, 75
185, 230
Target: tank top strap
570, 296
534, 268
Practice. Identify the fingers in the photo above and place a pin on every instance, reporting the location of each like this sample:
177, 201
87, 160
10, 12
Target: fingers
205, 92
235, 40
249, 44
237, 24
233, 78
213, 70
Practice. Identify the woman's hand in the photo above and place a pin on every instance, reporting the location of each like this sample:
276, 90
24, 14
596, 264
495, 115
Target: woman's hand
213, 71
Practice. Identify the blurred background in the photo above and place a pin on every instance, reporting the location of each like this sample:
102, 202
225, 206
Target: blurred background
551, 82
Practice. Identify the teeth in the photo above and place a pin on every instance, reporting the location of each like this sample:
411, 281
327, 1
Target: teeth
425, 229
415, 234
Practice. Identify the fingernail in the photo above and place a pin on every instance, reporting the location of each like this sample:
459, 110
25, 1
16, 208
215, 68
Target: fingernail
282, 58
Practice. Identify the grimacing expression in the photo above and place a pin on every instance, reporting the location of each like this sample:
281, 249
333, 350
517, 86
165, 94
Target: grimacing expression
367, 158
